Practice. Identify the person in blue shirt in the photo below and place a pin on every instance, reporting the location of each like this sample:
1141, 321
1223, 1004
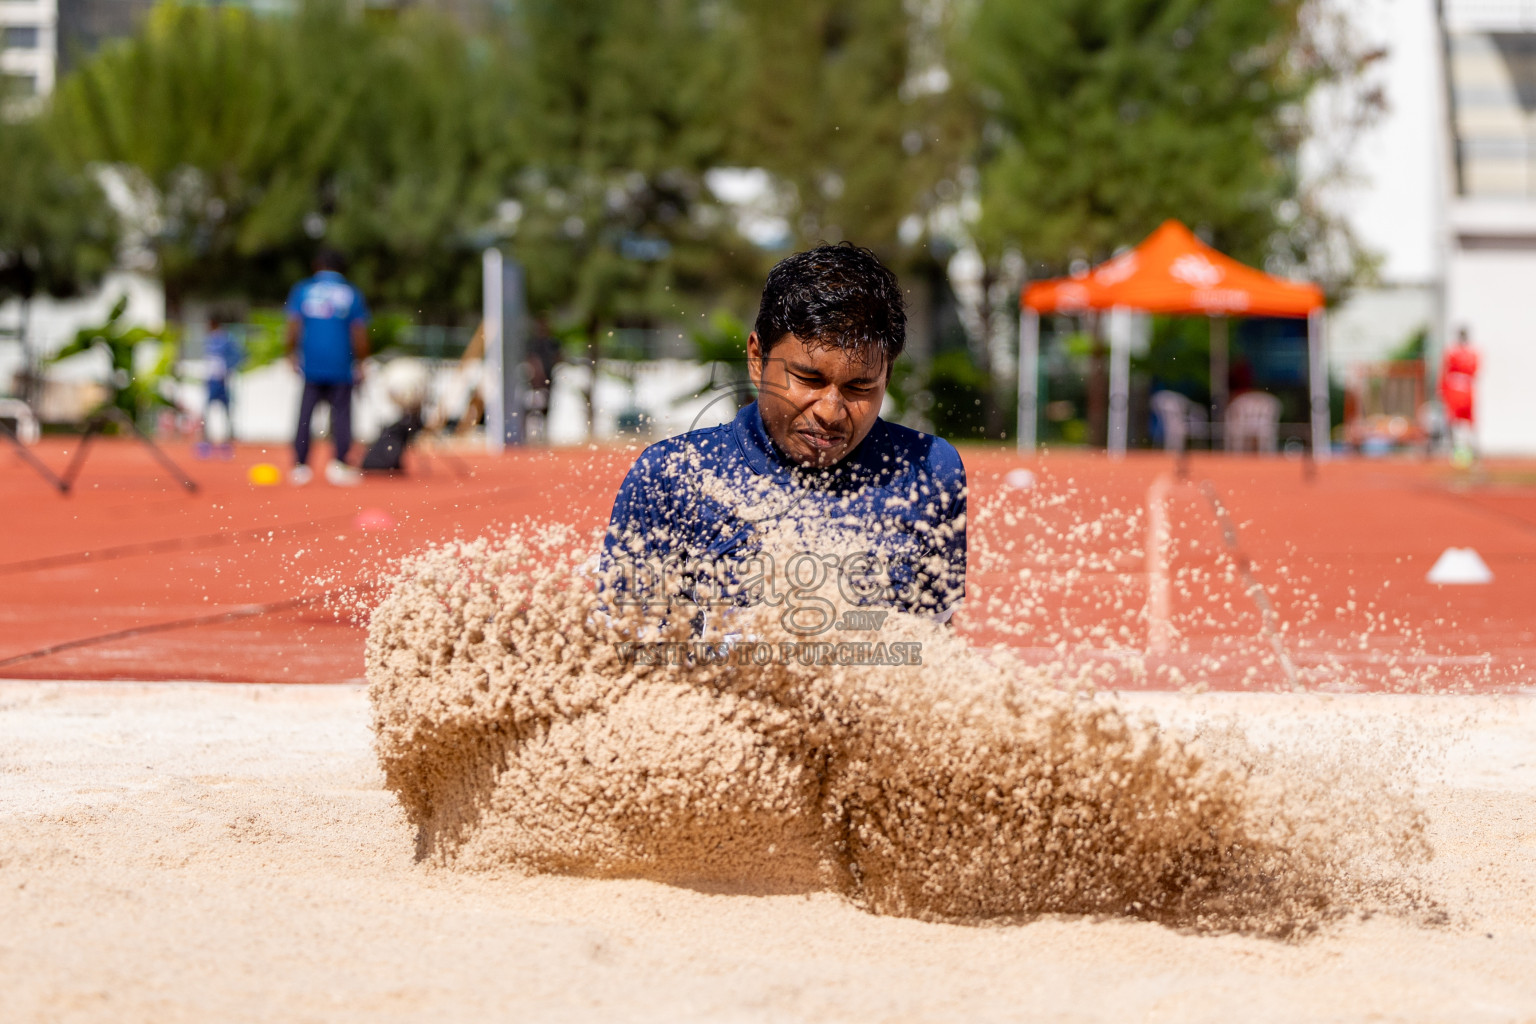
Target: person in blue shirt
810, 462
223, 356
327, 335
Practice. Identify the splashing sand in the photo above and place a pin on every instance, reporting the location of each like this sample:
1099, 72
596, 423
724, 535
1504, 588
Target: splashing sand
516, 734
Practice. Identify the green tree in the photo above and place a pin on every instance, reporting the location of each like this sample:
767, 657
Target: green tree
133, 392
622, 108
58, 232
202, 114
848, 103
429, 152
247, 139
1107, 116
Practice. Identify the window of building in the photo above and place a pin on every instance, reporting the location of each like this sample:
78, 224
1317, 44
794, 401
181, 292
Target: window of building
18, 37
18, 85
1489, 15
1493, 111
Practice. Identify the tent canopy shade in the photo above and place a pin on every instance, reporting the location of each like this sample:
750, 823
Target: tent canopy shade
1174, 272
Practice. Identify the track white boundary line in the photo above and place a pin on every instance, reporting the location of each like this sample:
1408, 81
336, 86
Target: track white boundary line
1159, 629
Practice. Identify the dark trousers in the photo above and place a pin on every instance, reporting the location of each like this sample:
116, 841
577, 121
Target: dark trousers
218, 394
339, 398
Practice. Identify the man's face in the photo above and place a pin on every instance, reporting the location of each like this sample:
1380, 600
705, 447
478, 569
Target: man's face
817, 401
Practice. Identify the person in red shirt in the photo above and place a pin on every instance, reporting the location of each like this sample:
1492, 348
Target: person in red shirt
1456, 378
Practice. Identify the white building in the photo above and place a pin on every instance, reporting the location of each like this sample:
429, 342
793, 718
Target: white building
28, 46
1490, 223
1446, 194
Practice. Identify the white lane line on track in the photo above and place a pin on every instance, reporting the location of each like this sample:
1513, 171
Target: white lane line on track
1159, 630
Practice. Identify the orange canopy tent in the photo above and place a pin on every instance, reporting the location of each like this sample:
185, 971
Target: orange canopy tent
1174, 272
1171, 272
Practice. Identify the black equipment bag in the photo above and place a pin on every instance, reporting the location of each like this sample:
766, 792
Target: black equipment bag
386, 454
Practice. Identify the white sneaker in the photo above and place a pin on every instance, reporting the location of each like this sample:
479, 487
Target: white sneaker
339, 474
301, 475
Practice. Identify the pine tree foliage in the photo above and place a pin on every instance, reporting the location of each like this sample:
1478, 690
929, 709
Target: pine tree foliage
847, 103
1105, 117
623, 108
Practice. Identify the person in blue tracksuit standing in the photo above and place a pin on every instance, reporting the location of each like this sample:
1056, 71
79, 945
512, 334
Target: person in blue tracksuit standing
327, 337
224, 355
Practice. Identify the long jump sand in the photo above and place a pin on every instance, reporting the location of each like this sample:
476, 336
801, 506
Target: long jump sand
193, 852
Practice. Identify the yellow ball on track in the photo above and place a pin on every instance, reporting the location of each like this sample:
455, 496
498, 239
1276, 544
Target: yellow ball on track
264, 474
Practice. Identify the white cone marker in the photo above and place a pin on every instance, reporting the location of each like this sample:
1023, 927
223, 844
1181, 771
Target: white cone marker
1019, 479
1460, 565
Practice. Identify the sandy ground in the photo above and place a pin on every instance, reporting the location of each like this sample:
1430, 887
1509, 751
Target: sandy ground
176, 852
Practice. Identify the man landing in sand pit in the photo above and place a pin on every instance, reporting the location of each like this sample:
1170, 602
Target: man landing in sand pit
957, 785
811, 458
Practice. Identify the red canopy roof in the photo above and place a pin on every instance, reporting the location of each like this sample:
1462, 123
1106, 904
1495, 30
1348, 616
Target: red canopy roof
1174, 272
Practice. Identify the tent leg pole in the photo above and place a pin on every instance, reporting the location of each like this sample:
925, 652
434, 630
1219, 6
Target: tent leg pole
492, 377
1220, 377
1029, 379
1119, 381
1317, 365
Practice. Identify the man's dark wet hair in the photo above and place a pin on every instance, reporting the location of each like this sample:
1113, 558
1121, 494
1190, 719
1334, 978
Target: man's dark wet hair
837, 295
330, 259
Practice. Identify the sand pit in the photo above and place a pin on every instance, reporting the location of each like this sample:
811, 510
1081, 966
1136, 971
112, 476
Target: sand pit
191, 852
808, 852
955, 784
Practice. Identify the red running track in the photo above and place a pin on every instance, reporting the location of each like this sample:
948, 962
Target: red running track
132, 578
